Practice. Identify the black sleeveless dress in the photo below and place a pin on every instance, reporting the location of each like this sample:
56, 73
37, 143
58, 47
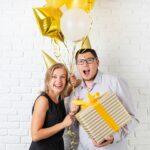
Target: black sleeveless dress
55, 114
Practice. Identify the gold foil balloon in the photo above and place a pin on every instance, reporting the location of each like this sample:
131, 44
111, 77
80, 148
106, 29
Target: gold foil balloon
86, 5
48, 20
49, 61
86, 43
55, 3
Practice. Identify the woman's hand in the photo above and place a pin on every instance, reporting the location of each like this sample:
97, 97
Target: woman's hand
68, 121
74, 81
74, 108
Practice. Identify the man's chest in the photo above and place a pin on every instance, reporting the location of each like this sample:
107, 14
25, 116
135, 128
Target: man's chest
100, 88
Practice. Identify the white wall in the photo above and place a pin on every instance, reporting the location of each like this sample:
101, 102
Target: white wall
121, 36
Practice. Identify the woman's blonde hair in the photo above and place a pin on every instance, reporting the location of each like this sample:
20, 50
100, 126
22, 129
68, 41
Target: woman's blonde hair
49, 74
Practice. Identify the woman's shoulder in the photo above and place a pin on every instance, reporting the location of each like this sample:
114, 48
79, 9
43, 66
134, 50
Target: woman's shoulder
42, 101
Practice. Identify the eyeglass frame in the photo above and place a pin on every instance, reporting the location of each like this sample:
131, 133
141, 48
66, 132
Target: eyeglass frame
86, 60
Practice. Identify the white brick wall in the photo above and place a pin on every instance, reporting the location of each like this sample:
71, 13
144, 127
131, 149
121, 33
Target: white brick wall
121, 36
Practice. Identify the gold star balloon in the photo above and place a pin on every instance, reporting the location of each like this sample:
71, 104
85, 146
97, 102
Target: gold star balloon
48, 20
55, 3
86, 5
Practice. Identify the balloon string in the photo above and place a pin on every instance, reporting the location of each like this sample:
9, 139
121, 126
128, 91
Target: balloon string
61, 56
73, 55
88, 31
66, 46
69, 61
58, 53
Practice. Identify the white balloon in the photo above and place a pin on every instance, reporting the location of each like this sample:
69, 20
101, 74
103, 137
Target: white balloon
75, 24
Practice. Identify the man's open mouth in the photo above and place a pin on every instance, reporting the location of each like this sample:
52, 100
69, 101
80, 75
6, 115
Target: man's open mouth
86, 72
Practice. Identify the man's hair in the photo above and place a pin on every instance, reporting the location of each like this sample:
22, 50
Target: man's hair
82, 51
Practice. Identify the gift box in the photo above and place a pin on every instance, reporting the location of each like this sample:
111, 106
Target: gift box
102, 116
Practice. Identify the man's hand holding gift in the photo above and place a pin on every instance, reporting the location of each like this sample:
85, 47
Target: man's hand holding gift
108, 140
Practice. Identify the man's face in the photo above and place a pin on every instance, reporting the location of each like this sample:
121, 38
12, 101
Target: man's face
87, 65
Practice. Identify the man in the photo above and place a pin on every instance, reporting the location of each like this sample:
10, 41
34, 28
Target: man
94, 81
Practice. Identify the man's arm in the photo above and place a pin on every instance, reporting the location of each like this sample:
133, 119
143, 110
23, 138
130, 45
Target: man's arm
122, 91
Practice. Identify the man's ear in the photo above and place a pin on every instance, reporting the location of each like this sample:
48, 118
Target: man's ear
98, 62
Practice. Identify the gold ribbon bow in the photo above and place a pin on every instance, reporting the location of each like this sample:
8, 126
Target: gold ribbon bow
93, 100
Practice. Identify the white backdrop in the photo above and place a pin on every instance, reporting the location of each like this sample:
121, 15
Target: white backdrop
121, 36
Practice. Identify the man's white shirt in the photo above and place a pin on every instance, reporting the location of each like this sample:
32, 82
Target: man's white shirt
104, 83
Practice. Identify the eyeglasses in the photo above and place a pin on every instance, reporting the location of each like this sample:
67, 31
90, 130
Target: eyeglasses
88, 61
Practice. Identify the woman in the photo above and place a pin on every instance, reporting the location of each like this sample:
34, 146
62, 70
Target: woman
49, 117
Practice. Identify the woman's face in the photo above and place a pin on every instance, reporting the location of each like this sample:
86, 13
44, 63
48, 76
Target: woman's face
58, 81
